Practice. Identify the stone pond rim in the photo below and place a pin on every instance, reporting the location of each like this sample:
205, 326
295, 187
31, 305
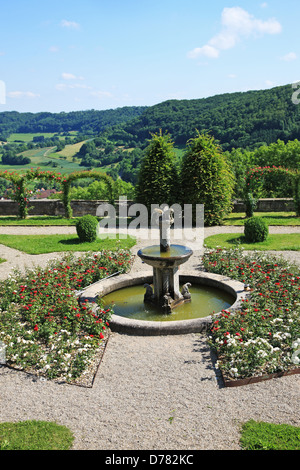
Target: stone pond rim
150, 328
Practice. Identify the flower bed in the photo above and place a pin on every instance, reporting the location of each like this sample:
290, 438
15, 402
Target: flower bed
44, 328
262, 338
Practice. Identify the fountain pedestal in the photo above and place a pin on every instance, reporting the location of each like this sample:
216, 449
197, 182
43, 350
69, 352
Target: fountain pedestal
165, 260
166, 281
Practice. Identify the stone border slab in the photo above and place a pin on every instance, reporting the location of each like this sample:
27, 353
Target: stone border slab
150, 328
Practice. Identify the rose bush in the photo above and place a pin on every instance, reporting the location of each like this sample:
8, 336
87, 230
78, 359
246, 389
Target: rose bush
43, 325
260, 337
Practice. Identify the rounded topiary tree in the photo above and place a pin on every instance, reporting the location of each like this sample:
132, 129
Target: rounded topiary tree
256, 230
86, 228
158, 176
207, 179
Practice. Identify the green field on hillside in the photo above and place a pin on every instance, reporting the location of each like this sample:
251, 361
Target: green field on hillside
70, 150
28, 137
46, 158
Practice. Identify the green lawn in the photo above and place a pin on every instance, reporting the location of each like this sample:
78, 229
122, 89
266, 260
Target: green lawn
272, 218
278, 242
35, 435
39, 244
268, 436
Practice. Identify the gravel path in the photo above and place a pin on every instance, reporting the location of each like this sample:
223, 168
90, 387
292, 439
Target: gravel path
155, 393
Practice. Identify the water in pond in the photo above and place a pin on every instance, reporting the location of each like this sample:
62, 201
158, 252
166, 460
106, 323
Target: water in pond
129, 302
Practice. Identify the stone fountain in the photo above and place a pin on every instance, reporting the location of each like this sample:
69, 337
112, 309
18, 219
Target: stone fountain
148, 313
165, 260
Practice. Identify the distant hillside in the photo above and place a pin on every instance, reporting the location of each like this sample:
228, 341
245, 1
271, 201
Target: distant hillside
85, 122
243, 119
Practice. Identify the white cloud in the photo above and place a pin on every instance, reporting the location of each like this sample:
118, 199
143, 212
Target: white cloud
208, 51
22, 94
264, 5
70, 76
237, 24
65, 86
53, 49
289, 57
70, 24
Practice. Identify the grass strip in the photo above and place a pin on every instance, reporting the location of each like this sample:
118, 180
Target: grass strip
275, 242
271, 218
40, 244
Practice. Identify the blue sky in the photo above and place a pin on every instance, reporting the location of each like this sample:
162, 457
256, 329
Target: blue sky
101, 54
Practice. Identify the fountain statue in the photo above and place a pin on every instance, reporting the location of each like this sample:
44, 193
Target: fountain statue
165, 260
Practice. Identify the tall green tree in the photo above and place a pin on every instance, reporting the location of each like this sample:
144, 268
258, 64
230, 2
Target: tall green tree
207, 179
158, 177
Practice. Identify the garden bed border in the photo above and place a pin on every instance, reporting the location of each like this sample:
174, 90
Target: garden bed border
257, 379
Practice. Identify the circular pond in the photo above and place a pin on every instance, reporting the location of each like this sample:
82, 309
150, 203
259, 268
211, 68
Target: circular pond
109, 289
206, 300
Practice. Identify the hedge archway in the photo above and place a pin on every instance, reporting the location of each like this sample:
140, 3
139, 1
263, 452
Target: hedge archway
21, 194
66, 185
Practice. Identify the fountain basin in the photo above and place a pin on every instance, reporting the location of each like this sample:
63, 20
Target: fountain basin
145, 328
176, 255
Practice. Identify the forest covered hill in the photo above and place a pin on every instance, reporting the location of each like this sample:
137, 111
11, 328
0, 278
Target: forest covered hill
243, 119
237, 120
252, 128
84, 122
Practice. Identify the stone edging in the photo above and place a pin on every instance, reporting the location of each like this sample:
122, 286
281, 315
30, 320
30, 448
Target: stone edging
149, 328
